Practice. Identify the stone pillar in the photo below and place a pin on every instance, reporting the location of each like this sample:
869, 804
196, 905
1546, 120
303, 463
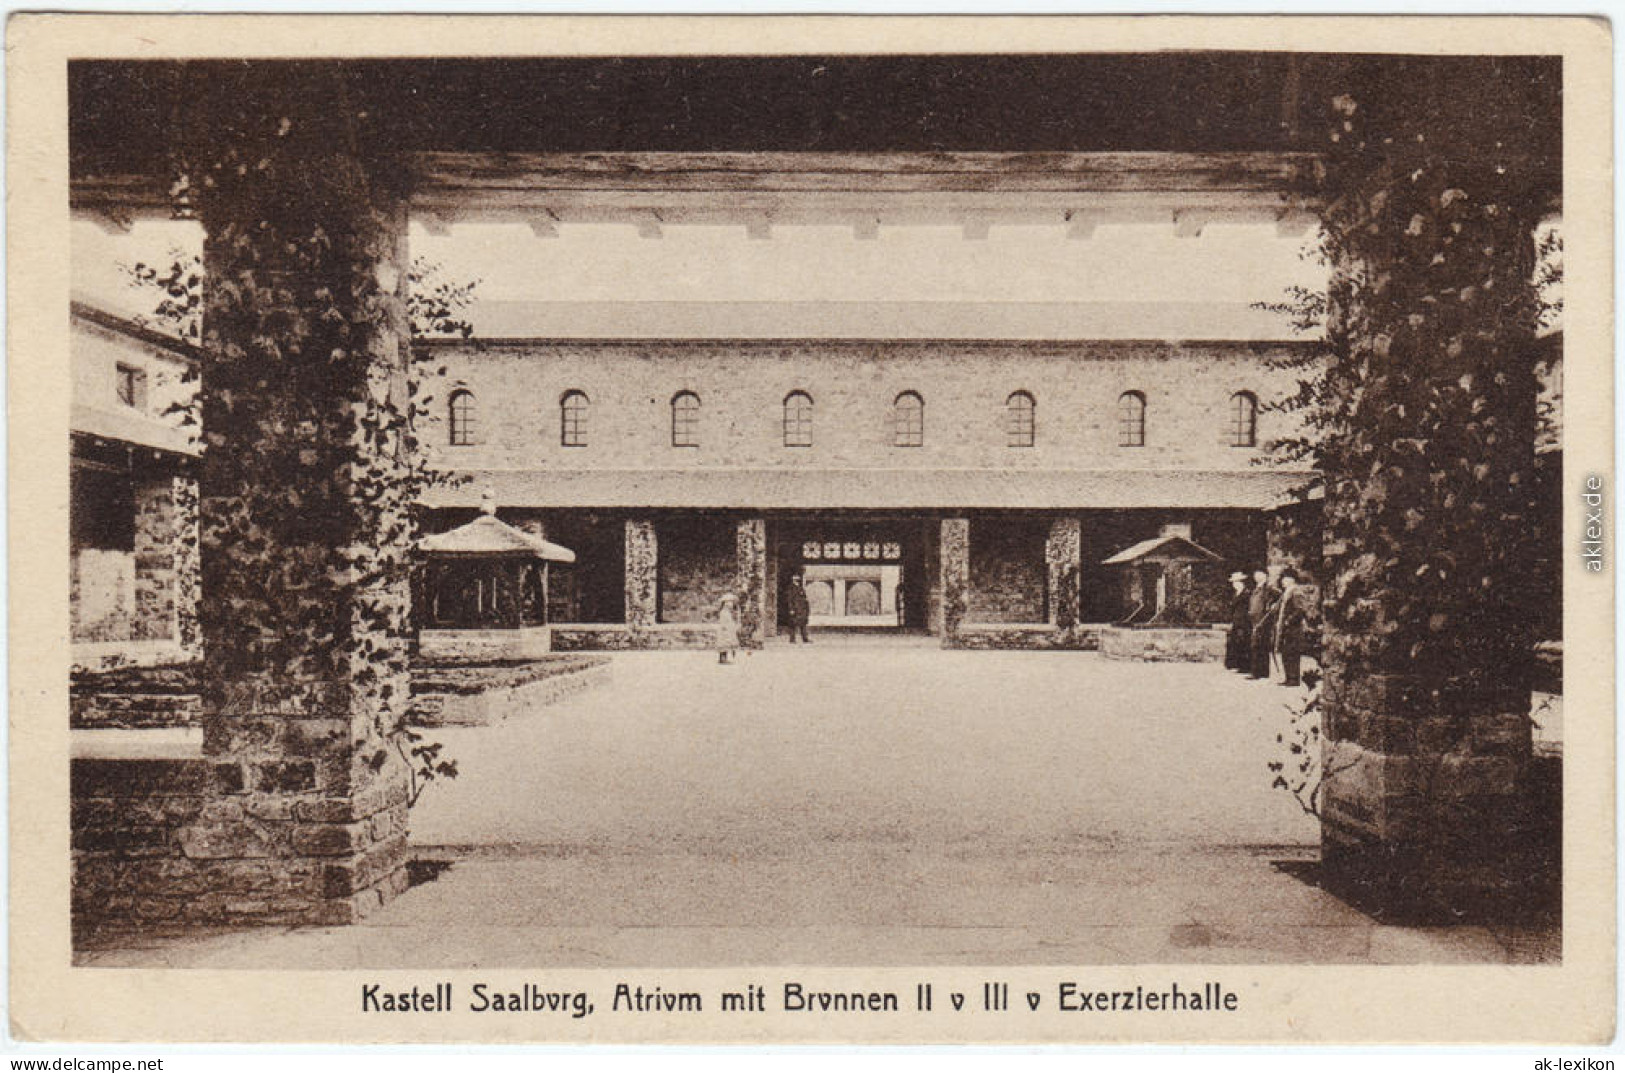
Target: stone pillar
1428, 456
955, 576
305, 496
188, 567
775, 577
931, 563
751, 583
1063, 556
642, 573
157, 533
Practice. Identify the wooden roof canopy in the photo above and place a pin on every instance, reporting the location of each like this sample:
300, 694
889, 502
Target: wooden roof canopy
1168, 548
489, 537
468, 124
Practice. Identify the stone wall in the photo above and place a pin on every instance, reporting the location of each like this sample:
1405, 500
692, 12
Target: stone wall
615, 638
200, 841
1025, 637
485, 694
698, 564
1008, 569
135, 698
1164, 645
742, 386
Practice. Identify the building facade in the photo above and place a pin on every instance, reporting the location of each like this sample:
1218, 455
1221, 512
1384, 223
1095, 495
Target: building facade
963, 488
133, 537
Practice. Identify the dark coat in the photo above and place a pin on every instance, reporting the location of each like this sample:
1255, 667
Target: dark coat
796, 612
1292, 624
1261, 615
1238, 643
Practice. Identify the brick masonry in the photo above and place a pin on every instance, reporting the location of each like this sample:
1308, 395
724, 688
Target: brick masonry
965, 385
200, 841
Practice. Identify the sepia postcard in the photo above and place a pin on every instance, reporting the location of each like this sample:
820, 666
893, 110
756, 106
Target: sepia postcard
843, 529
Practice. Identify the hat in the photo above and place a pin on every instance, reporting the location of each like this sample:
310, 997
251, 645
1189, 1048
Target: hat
1239, 575
729, 598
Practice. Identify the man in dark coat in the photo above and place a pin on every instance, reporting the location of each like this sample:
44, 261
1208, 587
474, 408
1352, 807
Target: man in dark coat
1291, 628
1238, 643
796, 611
1261, 617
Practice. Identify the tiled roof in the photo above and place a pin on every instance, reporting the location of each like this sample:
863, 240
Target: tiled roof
879, 489
488, 535
1238, 321
1170, 545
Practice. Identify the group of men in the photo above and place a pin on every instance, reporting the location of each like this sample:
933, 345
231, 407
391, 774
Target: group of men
1268, 622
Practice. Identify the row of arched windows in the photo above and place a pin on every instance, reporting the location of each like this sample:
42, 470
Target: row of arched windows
908, 419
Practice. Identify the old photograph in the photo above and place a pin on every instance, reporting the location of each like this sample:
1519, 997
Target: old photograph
864, 510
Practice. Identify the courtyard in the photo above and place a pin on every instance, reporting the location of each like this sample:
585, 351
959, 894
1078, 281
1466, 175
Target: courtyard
873, 801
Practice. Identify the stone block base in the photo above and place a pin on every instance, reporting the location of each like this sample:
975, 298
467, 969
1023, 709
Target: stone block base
1037, 637
476, 646
618, 638
196, 842
135, 697
481, 696
1172, 644
1433, 840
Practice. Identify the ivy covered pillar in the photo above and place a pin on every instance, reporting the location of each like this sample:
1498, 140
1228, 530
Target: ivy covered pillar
751, 584
162, 527
642, 574
955, 553
1063, 558
304, 494
1428, 450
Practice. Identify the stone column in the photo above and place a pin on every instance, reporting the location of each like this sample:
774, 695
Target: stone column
751, 584
770, 597
642, 573
1063, 556
955, 576
188, 568
157, 535
1428, 457
304, 508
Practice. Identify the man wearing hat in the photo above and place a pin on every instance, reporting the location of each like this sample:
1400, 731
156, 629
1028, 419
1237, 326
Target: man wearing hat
1261, 623
1291, 627
1238, 643
797, 612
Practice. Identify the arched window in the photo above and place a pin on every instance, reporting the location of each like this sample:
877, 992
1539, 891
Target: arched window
908, 420
685, 419
464, 420
573, 419
1131, 419
1019, 422
1244, 419
798, 419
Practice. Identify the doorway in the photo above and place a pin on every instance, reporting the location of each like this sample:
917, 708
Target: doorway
860, 575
